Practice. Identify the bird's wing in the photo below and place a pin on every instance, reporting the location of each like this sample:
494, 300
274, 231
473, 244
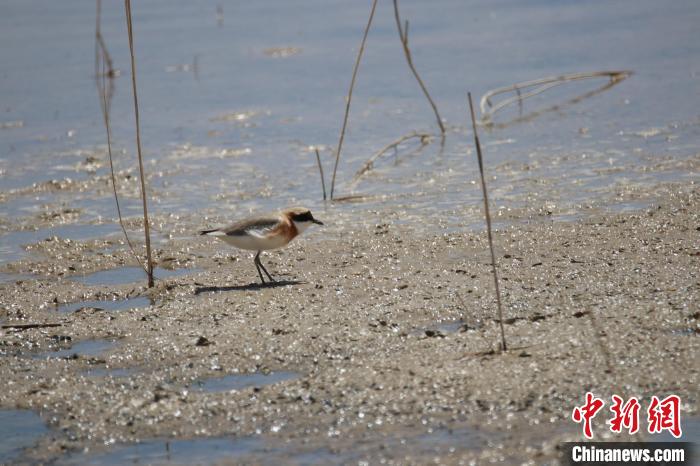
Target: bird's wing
259, 227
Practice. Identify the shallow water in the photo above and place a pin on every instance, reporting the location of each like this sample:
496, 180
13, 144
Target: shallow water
81, 349
109, 372
231, 104
113, 305
11, 243
241, 381
438, 441
19, 429
263, 450
451, 327
685, 332
176, 451
13, 277
445, 440
690, 431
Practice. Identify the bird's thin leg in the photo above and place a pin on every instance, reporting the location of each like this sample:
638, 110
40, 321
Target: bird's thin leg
263, 267
256, 261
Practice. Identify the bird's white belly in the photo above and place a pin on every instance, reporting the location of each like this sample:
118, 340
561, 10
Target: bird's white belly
255, 243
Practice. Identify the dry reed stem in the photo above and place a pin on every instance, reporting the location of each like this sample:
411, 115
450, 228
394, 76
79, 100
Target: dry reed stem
403, 35
349, 97
21, 327
102, 56
98, 37
105, 115
100, 47
540, 85
424, 140
149, 259
534, 114
102, 59
320, 171
488, 222
354, 198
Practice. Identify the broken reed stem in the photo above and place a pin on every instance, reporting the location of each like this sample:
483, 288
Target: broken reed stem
354, 198
541, 85
149, 260
488, 222
552, 108
21, 327
403, 35
520, 97
424, 140
349, 97
320, 170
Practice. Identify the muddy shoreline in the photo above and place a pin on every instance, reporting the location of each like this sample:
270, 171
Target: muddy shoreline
390, 334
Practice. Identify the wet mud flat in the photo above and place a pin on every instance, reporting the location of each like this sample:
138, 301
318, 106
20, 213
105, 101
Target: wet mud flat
388, 334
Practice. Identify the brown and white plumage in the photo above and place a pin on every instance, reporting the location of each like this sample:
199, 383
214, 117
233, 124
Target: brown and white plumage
264, 233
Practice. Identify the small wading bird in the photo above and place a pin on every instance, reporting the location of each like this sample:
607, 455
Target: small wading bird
263, 233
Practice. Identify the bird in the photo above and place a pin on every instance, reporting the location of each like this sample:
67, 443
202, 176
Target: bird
265, 233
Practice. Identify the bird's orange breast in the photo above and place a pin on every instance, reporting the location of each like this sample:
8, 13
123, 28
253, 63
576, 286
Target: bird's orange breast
286, 229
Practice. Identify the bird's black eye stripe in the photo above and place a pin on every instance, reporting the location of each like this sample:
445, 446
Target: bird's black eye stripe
305, 217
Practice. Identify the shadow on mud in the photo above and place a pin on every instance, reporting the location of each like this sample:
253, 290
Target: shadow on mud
249, 287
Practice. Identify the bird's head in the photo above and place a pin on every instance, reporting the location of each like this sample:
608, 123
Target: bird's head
302, 218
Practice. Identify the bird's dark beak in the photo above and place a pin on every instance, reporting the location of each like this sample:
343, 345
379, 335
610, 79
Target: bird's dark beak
317, 222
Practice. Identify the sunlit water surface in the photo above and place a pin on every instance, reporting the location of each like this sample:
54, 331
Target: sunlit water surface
231, 103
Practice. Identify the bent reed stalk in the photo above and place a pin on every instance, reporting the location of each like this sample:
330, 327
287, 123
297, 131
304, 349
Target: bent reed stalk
105, 93
149, 259
367, 166
403, 36
488, 109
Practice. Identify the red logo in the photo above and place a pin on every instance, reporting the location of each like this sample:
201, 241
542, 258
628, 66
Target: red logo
626, 415
587, 412
665, 415
661, 415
